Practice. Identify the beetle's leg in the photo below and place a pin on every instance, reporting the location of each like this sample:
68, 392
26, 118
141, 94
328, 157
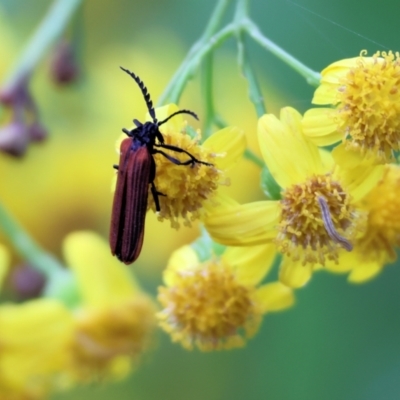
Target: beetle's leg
153, 188
175, 160
116, 166
191, 162
155, 194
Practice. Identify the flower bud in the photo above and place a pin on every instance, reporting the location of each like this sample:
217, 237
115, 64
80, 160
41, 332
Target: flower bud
37, 132
64, 68
27, 282
14, 138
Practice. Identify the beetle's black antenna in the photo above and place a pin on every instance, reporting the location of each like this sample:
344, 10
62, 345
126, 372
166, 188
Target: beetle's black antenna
179, 112
145, 93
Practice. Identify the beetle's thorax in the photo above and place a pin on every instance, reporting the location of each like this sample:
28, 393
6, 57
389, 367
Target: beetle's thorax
145, 135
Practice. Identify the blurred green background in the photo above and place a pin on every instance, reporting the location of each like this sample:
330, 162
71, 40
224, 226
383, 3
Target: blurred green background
340, 341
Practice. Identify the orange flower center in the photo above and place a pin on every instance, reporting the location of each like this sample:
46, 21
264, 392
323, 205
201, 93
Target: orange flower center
369, 109
208, 308
185, 188
317, 219
105, 337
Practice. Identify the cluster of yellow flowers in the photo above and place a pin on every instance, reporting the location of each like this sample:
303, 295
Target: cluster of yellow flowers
47, 345
334, 210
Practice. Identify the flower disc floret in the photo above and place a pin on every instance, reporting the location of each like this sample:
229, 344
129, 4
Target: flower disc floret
116, 319
304, 232
188, 175
365, 92
209, 308
186, 187
107, 341
369, 109
377, 246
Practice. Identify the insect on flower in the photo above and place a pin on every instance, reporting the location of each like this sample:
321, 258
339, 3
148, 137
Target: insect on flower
136, 171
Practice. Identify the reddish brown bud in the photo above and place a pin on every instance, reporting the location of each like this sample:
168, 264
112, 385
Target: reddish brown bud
64, 68
16, 93
37, 132
25, 126
14, 138
27, 281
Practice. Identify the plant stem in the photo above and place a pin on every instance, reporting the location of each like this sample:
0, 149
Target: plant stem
26, 246
211, 28
312, 77
191, 64
60, 283
215, 19
255, 94
249, 155
207, 89
50, 28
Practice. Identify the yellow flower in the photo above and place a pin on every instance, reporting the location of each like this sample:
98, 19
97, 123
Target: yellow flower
217, 303
188, 189
318, 216
377, 246
34, 343
116, 319
366, 98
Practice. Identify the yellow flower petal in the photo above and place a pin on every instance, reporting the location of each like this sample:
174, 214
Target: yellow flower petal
347, 261
252, 264
361, 180
244, 225
346, 159
182, 259
274, 297
327, 159
325, 94
35, 339
320, 127
174, 124
288, 155
219, 202
336, 71
364, 272
293, 273
102, 279
230, 143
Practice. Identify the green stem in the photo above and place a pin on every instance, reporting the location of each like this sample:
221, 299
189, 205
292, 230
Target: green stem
51, 27
190, 65
249, 155
60, 283
211, 28
242, 10
219, 122
26, 246
255, 94
312, 77
207, 89
215, 19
